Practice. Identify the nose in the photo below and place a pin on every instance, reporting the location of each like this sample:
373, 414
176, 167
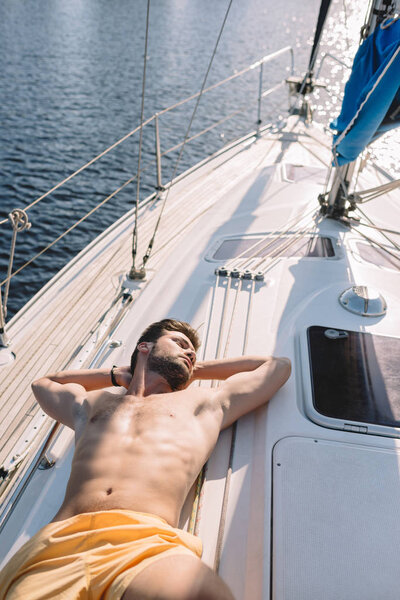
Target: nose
192, 355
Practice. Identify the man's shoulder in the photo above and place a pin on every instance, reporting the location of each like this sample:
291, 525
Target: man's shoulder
201, 398
106, 393
197, 392
95, 397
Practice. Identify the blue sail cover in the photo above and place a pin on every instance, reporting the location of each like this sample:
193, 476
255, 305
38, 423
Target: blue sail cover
381, 111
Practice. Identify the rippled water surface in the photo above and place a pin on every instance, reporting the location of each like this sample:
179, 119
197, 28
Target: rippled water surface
71, 81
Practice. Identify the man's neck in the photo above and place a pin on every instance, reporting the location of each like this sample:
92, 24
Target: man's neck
145, 382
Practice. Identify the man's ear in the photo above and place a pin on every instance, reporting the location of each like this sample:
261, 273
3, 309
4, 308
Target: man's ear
145, 347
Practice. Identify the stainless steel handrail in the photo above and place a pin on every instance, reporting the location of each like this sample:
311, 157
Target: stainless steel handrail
159, 186
325, 55
260, 62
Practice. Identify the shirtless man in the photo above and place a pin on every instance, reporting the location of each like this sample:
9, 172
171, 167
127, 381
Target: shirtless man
137, 455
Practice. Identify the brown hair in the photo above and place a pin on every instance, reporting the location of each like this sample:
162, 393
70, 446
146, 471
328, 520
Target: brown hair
156, 330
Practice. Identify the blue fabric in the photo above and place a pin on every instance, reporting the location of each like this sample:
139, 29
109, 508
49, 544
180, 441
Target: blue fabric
373, 120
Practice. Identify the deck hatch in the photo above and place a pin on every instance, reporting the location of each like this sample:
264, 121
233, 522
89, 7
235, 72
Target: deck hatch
260, 246
355, 376
336, 522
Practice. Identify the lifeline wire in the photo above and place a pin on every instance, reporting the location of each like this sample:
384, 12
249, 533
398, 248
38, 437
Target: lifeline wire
68, 230
85, 166
147, 122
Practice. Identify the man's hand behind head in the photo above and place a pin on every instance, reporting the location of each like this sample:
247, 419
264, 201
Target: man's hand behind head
123, 376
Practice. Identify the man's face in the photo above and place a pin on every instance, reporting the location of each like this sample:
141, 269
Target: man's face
173, 357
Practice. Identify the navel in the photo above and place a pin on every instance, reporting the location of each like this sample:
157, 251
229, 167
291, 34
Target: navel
109, 491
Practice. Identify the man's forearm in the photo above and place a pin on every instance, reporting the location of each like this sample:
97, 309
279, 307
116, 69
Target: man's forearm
90, 379
226, 367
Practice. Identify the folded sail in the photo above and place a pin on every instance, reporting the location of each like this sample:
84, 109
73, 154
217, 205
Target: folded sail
371, 104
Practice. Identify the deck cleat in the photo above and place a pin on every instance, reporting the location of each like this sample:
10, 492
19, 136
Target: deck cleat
222, 271
46, 463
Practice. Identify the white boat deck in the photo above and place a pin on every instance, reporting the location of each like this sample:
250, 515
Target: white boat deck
269, 548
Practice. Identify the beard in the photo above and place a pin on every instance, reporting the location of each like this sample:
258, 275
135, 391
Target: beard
170, 368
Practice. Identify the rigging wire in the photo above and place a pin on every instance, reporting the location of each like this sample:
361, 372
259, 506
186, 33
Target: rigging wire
346, 25
135, 228
148, 121
323, 12
372, 226
393, 243
381, 246
151, 243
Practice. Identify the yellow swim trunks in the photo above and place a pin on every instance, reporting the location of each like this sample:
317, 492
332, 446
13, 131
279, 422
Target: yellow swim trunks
91, 556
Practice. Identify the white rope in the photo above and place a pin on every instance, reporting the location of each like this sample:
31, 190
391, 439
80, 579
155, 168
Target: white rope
234, 262
270, 242
222, 324
354, 221
225, 499
285, 245
372, 193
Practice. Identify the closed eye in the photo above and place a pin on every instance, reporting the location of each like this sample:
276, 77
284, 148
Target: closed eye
184, 344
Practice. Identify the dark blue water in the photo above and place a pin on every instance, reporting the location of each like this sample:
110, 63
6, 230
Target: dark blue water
70, 86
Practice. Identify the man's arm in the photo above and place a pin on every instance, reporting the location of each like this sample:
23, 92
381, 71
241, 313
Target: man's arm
246, 391
61, 395
222, 368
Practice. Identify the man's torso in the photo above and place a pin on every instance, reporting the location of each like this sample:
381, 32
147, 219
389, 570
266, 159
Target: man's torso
140, 454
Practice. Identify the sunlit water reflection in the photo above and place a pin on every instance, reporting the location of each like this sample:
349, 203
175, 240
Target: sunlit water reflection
70, 86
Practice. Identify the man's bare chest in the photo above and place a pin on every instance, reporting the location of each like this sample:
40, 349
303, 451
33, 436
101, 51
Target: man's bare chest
139, 438
112, 408
165, 420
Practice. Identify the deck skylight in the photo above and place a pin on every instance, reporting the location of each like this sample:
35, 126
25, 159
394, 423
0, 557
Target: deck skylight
261, 246
355, 376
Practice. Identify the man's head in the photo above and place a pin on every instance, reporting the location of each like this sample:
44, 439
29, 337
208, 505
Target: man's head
173, 343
